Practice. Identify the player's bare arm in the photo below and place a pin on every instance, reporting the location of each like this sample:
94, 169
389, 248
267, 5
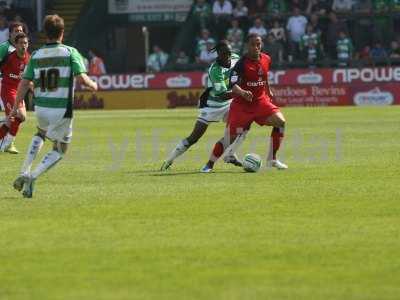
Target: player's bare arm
85, 80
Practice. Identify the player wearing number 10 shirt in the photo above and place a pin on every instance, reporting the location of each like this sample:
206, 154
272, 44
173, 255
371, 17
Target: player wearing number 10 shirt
52, 70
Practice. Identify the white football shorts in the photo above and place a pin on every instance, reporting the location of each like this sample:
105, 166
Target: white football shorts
53, 122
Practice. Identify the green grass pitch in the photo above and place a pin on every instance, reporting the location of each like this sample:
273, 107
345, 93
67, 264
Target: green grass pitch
105, 224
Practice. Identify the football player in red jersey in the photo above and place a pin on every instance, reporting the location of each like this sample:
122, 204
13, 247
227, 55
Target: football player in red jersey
12, 68
252, 103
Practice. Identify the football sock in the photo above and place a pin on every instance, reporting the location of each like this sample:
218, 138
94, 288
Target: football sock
14, 126
235, 145
48, 161
180, 148
3, 131
277, 135
34, 148
6, 141
217, 152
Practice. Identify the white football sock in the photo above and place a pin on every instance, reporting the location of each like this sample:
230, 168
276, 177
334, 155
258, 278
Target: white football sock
6, 141
34, 148
50, 160
231, 151
180, 148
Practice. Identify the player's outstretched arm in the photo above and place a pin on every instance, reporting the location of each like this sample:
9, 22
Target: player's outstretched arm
86, 81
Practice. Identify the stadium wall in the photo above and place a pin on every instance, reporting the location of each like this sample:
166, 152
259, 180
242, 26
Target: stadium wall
298, 87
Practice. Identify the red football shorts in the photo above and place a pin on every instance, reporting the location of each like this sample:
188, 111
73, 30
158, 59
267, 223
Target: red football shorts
242, 115
8, 98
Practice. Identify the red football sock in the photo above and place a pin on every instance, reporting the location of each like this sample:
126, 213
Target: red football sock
14, 126
217, 151
277, 135
3, 131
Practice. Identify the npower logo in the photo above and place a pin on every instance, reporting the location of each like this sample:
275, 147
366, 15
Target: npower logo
123, 81
366, 75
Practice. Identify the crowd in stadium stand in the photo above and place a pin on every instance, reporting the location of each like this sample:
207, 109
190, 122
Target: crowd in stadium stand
299, 33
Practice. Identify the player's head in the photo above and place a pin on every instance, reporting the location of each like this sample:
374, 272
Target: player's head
54, 27
15, 28
224, 52
21, 43
254, 45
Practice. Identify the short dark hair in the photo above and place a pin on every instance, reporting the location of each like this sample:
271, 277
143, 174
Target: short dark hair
221, 45
252, 36
13, 25
53, 26
20, 36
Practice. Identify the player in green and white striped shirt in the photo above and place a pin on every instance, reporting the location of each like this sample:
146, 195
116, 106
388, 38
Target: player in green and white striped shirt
51, 70
213, 106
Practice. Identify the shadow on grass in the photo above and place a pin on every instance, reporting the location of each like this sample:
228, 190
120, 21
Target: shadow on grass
177, 173
13, 198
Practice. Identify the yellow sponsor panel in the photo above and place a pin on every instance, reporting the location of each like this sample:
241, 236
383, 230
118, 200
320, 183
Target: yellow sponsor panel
138, 99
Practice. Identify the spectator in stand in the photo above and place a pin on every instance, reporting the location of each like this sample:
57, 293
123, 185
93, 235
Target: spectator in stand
157, 60
202, 42
4, 31
96, 63
310, 44
222, 8
315, 23
332, 35
379, 54
240, 11
258, 28
236, 44
257, 7
394, 53
182, 61
18, 18
296, 27
394, 50
319, 7
207, 56
313, 56
278, 32
202, 12
274, 49
342, 6
365, 55
381, 5
235, 30
344, 48
277, 7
